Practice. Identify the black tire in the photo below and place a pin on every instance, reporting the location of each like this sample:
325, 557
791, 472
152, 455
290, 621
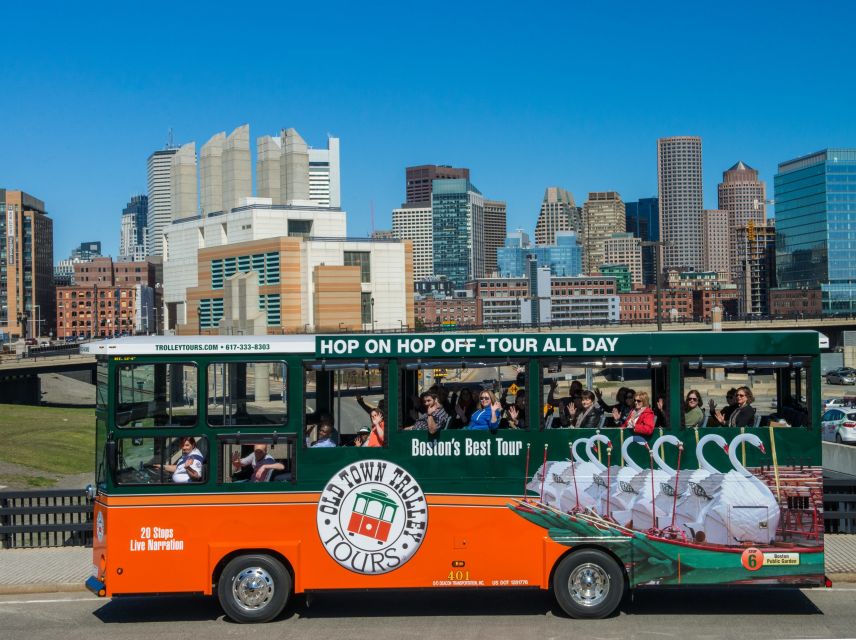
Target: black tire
254, 588
838, 438
598, 584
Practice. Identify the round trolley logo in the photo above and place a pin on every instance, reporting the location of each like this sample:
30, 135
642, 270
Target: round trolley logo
99, 527
372, 516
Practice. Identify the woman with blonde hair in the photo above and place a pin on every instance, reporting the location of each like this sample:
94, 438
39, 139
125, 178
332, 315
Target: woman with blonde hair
486, 417
640, 418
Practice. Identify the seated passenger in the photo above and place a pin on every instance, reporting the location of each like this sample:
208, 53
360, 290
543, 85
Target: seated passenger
589, 415
320, 419
435, 416
362, 437
464, 408
641, 418
721, 417
260, 460
188, 468
486, 418
516, 412
377, 437
325, 437
743, 414
693, 413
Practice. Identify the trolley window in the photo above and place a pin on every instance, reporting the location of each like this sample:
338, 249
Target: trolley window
256, 459
247, 393
614, 385
458, 387
746, 392
160, 460
340, 400
160, 394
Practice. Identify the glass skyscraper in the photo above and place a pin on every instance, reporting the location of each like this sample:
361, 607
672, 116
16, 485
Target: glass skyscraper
816, 226
563, 258
458, 225
643, 221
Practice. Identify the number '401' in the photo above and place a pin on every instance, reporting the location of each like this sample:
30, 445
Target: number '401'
459, 575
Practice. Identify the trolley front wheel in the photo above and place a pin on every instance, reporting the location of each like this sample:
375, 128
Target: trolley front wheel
588, 584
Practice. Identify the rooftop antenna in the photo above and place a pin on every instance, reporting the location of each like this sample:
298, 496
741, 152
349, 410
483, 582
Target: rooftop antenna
371, 205
169, 143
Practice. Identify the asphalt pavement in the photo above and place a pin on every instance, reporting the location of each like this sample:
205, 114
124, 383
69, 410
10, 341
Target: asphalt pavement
682, 614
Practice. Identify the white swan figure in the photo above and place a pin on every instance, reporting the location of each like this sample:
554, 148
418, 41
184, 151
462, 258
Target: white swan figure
581, 476
695, 488
743, 510
546, 476
620, 490
644, 508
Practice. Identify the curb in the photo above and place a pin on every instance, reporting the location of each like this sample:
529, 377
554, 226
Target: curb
42, 587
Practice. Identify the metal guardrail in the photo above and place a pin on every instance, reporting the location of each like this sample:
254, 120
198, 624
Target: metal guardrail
48, 518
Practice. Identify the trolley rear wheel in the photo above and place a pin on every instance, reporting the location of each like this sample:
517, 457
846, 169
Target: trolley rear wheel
254, 588
588, 584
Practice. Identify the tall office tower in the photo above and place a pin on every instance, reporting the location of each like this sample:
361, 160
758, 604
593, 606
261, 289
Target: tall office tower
419, 181
716, 243
558, 213
133, 241
744, 197
183, 186
268, 152
755, 272
294, 168
626, 249
816, 238
324, 189
211, 174
416, 224
680, 191
643, 221
159, 169
603, 215
458, 215
27, 304
237, 168
494, 232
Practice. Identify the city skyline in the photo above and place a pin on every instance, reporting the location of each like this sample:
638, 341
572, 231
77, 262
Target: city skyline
114, 111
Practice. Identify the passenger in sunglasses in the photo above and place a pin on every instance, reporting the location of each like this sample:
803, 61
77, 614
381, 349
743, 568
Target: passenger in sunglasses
693, 412
640, 418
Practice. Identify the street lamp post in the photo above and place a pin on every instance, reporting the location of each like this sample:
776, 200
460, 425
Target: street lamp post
657, 244
372, 303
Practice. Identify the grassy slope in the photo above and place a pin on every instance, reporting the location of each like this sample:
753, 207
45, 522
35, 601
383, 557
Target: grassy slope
49, 439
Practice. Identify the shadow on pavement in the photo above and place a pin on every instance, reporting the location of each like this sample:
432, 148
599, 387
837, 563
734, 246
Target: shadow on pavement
464, 602
720, 601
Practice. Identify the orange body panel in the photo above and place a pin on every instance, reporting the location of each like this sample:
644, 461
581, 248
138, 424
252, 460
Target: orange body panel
158, 544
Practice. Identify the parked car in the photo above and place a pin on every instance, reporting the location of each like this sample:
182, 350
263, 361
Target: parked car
31, 342
839, 425
844, 375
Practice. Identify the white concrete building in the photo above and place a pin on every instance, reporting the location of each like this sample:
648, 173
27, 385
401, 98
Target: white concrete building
159, 170
416, 224
183, 186
625, 248
679, 180
716, 242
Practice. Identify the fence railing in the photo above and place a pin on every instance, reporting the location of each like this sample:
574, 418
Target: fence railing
49, 518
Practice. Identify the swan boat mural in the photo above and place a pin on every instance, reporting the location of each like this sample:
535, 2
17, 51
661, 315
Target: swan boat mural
690, 526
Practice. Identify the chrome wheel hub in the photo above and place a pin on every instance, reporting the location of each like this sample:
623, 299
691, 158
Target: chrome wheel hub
588, 585
252, 589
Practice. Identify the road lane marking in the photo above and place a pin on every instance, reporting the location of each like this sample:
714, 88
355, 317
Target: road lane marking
2, 602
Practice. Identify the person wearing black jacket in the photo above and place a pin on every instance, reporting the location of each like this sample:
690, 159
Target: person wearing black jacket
744, 413
589, 415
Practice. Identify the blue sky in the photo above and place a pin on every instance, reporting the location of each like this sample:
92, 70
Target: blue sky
527, 95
